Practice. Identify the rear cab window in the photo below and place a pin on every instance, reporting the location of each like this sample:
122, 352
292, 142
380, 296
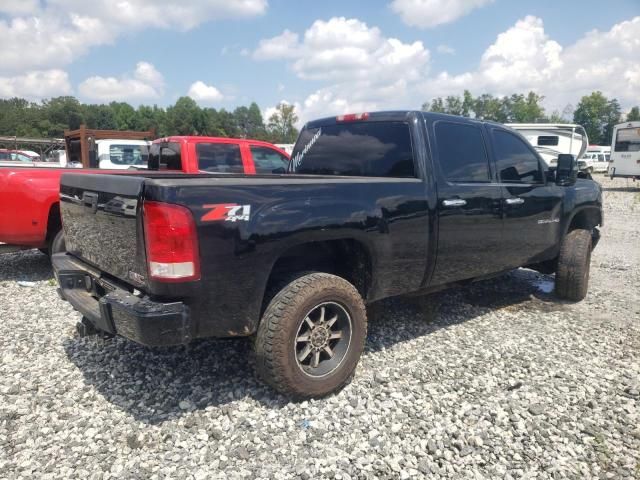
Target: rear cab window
627, 140
165, 156
128, 154
368, 149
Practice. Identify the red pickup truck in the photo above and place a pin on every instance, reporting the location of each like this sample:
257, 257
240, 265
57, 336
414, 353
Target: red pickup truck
29, 197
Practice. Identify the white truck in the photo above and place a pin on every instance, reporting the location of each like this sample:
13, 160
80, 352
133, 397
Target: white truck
625, 151
552, 139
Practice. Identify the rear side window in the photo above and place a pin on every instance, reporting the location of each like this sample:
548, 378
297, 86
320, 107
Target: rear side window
461, 153
515, 161
165, 156
219, 157
267, 160
369, 149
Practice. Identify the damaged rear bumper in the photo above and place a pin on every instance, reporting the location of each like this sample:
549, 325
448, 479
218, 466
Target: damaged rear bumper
113, 310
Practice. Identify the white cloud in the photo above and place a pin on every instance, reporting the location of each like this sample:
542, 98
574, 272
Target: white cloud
47, 41
430, 13
361, 70
171, 14
201, 92
446, 49
62, 30
284, 45
36, 84
360, 64
19, 7
524, 58
146, 83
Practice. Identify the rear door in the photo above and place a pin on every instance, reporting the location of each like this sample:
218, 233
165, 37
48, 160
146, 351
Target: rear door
469, 203
531, 205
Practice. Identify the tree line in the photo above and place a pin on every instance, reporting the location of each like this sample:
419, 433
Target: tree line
49, 118
595, 112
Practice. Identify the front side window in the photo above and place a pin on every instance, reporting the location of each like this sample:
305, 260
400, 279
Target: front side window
128, 154
219, 157
628, 140
516, 163
461, 153
267, 160
369, 149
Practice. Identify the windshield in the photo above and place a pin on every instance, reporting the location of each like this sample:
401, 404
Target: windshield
370, 149
628, 140
129, 154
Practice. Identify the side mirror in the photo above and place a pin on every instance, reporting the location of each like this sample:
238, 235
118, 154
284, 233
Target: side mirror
566, 171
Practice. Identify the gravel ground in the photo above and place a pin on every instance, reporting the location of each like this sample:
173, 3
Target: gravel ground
497, 380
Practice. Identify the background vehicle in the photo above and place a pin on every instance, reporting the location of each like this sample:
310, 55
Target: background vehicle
596, 159
20, 158
552, 139
29, 197
625, 151
374, 205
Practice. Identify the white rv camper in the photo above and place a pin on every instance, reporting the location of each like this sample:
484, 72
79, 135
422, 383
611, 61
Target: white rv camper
552, 139
625, 151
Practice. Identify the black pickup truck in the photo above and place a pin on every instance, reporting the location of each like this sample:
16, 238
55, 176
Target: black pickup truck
374, 205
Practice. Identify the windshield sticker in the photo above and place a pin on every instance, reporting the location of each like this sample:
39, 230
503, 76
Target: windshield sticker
297, 160
227, 212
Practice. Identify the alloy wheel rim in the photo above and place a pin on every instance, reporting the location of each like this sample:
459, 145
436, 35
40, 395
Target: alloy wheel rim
323, 338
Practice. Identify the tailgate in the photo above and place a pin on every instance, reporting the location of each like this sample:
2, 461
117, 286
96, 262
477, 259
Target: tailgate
101, 222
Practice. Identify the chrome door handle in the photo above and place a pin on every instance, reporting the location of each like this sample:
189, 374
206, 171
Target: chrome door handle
454, 202
514, 201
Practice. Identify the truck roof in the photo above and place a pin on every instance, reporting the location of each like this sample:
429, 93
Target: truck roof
205, 139
543, 125
393, 115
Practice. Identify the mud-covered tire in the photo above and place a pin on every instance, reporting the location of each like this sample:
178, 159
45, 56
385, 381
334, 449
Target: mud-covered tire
57, 245
572, 275
277, 337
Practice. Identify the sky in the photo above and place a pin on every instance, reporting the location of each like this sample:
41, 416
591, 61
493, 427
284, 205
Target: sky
325, 57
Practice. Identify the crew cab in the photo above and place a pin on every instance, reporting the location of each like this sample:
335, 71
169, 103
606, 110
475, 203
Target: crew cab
372, 206
29, 197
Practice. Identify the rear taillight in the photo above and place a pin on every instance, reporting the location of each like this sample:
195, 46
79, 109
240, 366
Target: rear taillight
352, 117
171, 242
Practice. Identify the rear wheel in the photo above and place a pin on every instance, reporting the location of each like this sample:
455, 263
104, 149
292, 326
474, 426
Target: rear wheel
311, 336
572, 275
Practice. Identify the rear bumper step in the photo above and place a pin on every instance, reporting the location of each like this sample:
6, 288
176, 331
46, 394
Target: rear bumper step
119, 312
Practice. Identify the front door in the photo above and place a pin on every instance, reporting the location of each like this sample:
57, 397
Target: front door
469, 203
531, 205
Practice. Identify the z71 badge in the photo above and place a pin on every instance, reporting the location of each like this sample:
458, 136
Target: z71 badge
226, 212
